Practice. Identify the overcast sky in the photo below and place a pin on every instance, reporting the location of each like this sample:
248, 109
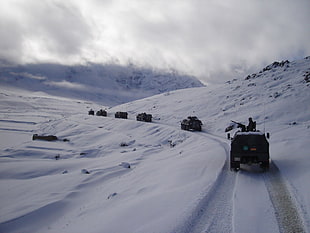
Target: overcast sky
212, 39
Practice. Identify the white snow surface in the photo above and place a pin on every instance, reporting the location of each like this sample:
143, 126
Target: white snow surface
122, 175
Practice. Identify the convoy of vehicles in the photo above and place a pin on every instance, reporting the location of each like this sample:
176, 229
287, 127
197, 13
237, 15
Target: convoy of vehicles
248, 146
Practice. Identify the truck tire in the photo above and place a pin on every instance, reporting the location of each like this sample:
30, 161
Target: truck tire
234, 166
265, 165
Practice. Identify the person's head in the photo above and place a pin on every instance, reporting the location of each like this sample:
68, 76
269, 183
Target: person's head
250, 119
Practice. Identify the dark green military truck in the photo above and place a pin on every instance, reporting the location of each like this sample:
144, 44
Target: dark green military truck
249, 148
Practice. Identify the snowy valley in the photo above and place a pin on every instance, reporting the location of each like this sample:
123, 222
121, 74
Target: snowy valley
108, 84
122, 175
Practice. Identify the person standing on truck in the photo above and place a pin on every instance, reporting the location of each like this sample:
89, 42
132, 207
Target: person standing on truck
252, 125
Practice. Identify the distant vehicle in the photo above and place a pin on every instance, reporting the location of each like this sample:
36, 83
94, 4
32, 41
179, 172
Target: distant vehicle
123, 115
144, 117
249, 148
101, 113
45, 138
191, 123
91, 112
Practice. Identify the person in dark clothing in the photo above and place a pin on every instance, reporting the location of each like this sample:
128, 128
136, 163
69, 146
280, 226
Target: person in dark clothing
252, 125
242, 126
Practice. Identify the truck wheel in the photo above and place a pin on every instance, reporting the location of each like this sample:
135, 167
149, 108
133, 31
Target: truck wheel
234, 166
265, 165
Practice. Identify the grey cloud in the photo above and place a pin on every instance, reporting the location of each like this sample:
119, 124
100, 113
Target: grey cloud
208, 38
57, 27
59, 24
213, 38
11, 40
251, 33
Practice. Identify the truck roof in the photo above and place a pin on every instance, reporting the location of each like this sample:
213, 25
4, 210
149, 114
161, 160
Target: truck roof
249, 133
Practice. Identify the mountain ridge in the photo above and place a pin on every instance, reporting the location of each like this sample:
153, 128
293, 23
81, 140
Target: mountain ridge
109, 84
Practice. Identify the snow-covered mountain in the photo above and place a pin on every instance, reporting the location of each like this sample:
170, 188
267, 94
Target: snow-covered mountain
107, 84
117, 175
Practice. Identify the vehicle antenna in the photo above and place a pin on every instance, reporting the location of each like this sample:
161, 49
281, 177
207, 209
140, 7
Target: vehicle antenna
264, 117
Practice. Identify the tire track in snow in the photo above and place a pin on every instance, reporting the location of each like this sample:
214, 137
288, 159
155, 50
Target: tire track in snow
287, 213
214, 212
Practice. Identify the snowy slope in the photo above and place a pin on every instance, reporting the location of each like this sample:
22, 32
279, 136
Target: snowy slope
107, 84
178, 181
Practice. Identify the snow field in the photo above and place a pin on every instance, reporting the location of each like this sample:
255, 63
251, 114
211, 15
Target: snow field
162, 160
178, 181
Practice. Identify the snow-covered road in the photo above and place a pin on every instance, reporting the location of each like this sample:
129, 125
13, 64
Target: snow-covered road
229, 207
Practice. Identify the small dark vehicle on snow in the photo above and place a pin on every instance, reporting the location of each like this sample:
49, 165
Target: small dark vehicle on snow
91, 112
249, 148
191, 123
123, 115
44, 138
101, 113
144, 117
